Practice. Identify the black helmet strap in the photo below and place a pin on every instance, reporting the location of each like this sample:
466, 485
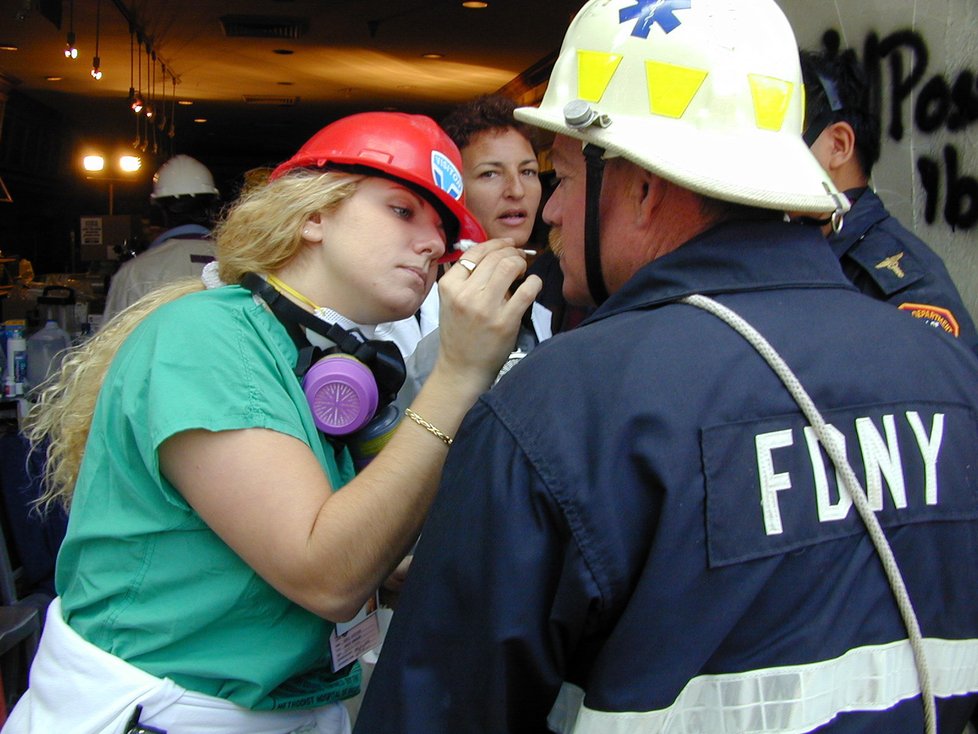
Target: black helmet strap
592, 223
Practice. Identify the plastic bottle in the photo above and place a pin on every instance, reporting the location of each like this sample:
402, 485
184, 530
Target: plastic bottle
14, 383
45, 350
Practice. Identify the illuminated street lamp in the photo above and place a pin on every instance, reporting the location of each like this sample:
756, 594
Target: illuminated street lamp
93, 163
124, 169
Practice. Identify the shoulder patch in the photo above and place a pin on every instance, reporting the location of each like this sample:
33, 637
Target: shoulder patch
892, 268
939, 318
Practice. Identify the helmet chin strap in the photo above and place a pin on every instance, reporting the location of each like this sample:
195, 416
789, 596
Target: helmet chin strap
592, 223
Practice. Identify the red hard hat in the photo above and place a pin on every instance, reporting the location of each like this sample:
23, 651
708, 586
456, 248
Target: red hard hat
409, 148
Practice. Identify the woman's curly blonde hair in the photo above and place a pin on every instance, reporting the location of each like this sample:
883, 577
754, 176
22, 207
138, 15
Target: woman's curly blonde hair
260, 232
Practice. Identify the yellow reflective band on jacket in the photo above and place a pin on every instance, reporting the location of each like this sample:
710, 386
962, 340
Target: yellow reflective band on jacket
786, 700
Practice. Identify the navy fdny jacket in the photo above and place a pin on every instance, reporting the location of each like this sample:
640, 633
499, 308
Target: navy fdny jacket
887, 261
636, 530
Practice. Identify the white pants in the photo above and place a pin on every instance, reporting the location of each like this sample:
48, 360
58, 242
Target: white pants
77, 687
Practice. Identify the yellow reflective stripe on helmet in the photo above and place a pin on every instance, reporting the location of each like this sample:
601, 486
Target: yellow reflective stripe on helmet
771, 98
594, 72
671, 87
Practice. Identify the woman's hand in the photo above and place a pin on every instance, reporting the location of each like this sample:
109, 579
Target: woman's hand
480, 317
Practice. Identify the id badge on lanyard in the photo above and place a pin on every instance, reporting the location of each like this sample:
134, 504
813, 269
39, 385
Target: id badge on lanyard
352, 640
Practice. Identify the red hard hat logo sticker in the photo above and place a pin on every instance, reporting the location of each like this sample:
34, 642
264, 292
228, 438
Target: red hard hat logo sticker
446, 176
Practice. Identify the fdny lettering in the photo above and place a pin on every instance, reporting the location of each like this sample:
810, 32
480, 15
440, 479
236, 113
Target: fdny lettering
650, 12
771, 487
881, 460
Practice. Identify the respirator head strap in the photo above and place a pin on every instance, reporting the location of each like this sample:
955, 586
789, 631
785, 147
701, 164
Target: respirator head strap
292, 317
382, 359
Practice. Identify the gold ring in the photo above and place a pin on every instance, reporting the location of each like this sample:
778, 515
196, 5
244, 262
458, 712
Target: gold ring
467, 264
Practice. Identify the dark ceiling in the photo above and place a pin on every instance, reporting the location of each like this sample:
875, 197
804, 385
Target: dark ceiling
266, 74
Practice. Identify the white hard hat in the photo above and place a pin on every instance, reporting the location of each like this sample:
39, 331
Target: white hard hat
183, 176
705, 93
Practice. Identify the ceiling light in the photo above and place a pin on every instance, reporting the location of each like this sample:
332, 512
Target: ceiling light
185, 102
93, 162
7, 47
96, 71
53, 78
473, 4
432, 55
200, 120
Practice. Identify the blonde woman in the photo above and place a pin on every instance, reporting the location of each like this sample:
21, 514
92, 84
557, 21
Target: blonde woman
209, 552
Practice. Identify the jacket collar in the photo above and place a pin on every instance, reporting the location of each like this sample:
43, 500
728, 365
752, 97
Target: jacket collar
732, 257
183, 231
866, 212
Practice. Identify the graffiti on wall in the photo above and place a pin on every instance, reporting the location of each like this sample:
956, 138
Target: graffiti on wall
932, 104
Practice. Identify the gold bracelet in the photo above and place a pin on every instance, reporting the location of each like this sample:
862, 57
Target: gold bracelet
428, 427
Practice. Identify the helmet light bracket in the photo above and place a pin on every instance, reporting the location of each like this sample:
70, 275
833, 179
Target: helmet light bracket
841, 206
594, 159
579, 115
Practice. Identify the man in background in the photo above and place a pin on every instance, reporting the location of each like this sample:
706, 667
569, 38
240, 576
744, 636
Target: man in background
878, 254
184, 190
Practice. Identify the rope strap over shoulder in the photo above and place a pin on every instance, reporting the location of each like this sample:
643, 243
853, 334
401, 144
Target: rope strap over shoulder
854, 489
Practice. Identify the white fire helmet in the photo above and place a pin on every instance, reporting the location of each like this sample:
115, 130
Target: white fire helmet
704, 93
183, 176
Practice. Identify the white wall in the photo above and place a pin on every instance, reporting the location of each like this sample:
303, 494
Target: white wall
945, 32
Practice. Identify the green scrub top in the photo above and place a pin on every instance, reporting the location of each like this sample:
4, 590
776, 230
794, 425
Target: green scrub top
140, 574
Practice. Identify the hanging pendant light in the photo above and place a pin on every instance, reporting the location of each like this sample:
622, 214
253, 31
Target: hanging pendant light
137, 143
161, 114
71, 51
150, 74
152, 112
144, 140
140, 121
172, 133
96, 71
135, 100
